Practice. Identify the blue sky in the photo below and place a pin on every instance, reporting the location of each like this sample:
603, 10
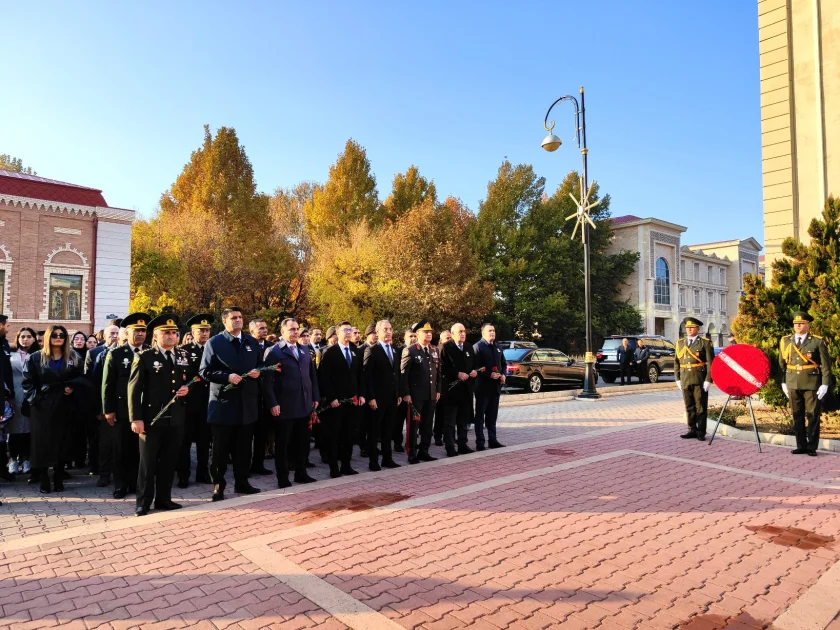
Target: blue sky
114, 95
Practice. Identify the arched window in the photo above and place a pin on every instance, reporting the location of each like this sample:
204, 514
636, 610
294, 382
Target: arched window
662, 284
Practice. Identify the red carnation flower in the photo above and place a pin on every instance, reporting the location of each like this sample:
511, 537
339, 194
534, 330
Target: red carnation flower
495, 369
355, 400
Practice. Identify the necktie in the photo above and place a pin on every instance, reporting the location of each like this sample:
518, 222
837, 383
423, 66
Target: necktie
388, 352
236, 343
799, 342
460, 347
136, 350
294, 351
168, 356
426, 350
348, 357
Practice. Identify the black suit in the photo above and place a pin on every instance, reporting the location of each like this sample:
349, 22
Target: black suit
487, 390
627, 362
457, 401
196, 428
339, 380
153, 382
100, 446
381, 377
420, 379
402, 407
262, 428
363, 411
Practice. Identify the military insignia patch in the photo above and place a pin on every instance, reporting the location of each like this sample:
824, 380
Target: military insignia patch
157, 365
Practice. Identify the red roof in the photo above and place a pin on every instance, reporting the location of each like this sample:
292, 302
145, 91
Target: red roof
627, 218
21, 185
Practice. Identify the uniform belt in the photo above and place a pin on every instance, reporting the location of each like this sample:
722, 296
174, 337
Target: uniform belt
691, 365
799, 368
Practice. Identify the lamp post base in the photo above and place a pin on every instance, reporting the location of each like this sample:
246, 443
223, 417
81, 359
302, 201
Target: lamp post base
588, 392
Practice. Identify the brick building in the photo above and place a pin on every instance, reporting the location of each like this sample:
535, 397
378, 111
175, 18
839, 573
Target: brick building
64, 254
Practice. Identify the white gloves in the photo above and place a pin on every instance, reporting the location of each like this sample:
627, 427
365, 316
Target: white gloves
822, 391
785, 389
707, 386
679, 385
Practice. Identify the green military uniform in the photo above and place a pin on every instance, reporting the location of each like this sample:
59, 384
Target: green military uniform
692, 369
115, 375
155, 378
806, 366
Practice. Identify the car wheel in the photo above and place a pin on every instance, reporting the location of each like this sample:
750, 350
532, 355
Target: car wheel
653, 373
535, 383
608, 378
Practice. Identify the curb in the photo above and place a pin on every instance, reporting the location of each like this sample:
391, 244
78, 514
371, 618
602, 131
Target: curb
775, 439
516, 400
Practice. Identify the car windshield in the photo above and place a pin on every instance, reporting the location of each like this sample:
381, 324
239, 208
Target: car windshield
516, 354
611, 344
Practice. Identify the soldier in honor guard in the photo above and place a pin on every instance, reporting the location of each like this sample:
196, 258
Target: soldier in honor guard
804, 360
196, 429
693, 375
158, 375
124, 444
420, 388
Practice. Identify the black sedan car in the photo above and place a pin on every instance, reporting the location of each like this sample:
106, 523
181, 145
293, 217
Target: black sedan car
532, 368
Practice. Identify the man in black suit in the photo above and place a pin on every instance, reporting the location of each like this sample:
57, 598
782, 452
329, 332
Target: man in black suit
363, 413
381, 376
158, 375
420, 388
445, 336
331, 338
94, 367
196, 429
317, 339
340, 379
125, 454
409, 338
488, 386
263, 446
626, 360
232, 413
457, 361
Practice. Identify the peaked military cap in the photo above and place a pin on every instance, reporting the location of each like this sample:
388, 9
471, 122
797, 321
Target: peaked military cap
692, 321
370, 329
202, 320
801, 317
136, 320
166, 321
422, 325
330, 332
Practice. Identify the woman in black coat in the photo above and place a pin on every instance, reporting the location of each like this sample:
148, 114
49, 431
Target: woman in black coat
54, 390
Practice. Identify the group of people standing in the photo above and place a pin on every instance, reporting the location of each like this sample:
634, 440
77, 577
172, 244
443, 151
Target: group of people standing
135, 404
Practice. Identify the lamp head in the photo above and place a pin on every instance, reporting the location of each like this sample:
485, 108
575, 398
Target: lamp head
551, 143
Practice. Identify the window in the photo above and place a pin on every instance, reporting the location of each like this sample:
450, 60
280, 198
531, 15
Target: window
710, 300
709, 274
723, 302
723, 277
696, 271
696, 300
682, 297
662, 284
682, 270
65, 296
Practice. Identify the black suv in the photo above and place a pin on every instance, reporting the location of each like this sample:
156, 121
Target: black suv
661, 359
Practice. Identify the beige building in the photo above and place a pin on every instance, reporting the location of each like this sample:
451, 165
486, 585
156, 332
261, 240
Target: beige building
799, 52
672, 280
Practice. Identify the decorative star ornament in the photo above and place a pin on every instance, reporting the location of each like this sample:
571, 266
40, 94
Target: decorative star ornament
583, 208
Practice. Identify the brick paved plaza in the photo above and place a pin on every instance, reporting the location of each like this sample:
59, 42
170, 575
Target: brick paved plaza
595, 516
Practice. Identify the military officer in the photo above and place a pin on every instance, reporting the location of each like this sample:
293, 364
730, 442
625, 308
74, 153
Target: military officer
693, 375
803, 358
158, 375
125, 449
420, 388
196, 429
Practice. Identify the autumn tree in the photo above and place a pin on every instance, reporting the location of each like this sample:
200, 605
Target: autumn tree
409, 189
808, 278
348, 197
10, 163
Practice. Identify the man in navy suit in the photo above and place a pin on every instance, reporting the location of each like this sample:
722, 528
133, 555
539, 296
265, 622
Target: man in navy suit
291, 396
488, 386
382, 380
231, 414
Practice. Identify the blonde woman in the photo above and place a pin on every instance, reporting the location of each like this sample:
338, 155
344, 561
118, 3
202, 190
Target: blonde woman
54, 390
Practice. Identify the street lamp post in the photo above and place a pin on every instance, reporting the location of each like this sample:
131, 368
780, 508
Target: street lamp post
552, 143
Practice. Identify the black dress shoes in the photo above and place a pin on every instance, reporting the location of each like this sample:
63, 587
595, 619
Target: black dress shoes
398, 447
304, 478
438, 441
702, 437
104, 481
812, 453
141, 510
284, 483
218, 493
425, 457
374, 466
183, 483
798, 451
347, 470
120, 493
335, 473
413, 460
260, 470
465, 450
390, 463
246, 488
45, 484
479, 447
496, 444
689, 436
58, 484
167, 505
451, 452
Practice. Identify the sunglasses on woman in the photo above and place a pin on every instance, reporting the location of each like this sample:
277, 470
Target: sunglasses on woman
58, 335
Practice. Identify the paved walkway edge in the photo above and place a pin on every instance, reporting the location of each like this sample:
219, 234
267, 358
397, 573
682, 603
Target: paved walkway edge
817, 607
777, 439
515, 400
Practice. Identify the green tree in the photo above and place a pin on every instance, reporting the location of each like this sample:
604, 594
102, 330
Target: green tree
409, 189
9, 163
808, 279
349, 196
